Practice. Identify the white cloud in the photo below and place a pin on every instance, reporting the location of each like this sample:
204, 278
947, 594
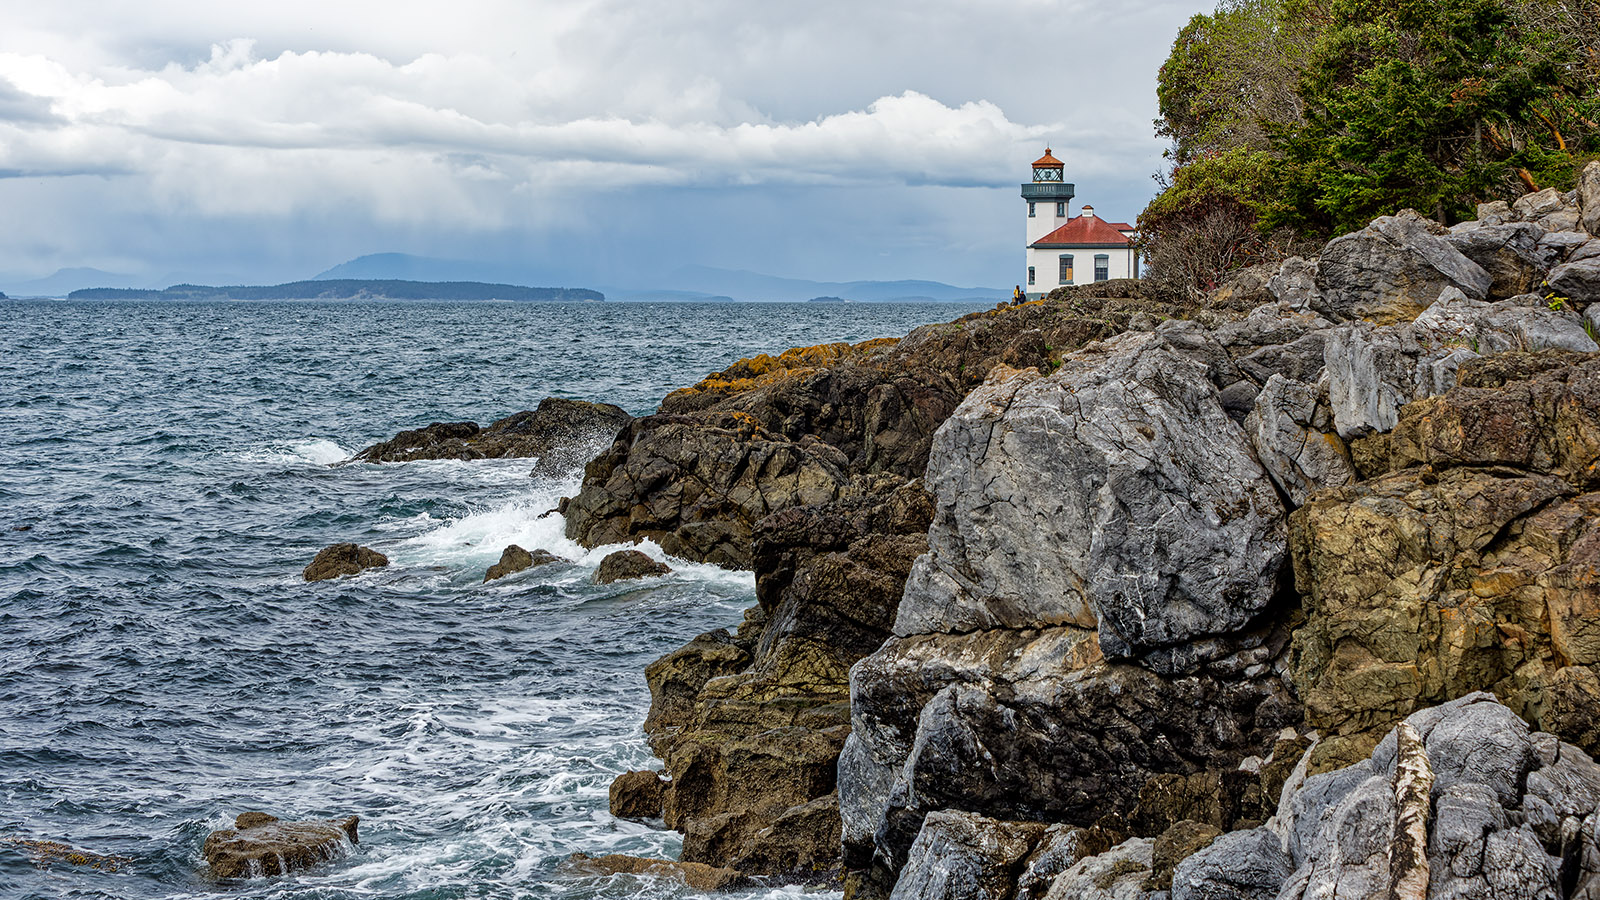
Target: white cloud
509, 115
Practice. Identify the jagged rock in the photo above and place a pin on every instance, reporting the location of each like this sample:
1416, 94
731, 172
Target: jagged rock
726, 791
623, 565
1241, 865
1295, 283
343, 559
1031, 724
1539, 204
963, 856
699, 876
676, 680
260, 845
1589, 197
1495, 212
43, 853
1176, 844
801, 845
1115, 492
1471, 567
1524, 323
562, 433
1058, 849
1544, 418
1373, 371
1578, 281
1509, 253
515, 559
1118, 874
1391, 270
697, 487
1292, 430
1380, 828
637, 795
1245, 289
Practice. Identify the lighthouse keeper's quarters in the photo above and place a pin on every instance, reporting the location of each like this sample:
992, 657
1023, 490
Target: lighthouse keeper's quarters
1064, 249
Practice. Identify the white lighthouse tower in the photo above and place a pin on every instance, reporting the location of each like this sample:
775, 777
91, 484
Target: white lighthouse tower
1063, 249
1049, 198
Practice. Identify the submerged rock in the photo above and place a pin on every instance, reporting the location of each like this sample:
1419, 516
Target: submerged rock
260, 845
43, 853
628, 564
343, 559
515, 559
699, 876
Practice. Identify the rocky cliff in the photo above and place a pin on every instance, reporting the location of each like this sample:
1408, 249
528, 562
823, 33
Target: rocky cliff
1107, 575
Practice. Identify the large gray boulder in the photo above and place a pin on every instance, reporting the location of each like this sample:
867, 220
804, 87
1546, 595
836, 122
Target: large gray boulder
964, 856
1292, 430
1509, 253
1393, 269
1578, 281
1373, 370
1589, 197
1243, 865
1118, 874
1115, 493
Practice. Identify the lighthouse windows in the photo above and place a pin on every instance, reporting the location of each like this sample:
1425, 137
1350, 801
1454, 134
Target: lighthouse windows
1030, 274
1066, 268
1102, 267
1030, 209
1061, 209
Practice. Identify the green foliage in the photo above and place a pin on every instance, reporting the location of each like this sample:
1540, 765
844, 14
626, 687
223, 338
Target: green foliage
1319, 115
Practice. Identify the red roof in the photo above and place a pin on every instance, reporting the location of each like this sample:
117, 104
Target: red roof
1048, 160
1086, 231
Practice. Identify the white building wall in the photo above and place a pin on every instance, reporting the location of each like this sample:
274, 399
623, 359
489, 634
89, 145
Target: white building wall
1045, 219
1047, 266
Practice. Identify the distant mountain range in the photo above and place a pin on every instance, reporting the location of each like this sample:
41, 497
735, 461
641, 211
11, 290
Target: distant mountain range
691, 283
346, 289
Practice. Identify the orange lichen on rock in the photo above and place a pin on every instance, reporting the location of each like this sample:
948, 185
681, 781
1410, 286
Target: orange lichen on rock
763, 368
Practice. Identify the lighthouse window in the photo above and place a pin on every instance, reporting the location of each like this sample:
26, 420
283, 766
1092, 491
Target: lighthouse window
1102, 267
1030, 274
1061, 209
1066, 268
1030, 209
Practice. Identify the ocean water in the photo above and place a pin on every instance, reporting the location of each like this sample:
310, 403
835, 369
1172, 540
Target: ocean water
166, 471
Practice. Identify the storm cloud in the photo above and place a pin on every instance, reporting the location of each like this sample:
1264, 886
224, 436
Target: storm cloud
178, 138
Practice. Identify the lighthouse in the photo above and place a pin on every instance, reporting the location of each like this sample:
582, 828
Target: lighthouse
1048, 197
1065, 250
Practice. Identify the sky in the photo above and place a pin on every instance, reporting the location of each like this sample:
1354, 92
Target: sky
612, 141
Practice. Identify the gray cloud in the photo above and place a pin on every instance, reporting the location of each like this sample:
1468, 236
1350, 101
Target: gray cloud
396, 123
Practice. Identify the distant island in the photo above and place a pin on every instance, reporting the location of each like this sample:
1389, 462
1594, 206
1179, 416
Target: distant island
348, 289
828, 300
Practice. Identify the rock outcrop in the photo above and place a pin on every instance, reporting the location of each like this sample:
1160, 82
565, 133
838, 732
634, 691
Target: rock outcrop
260, 845
562, 434
698, 876
626, 565
1468, 561
1461, 800
343, 559
1060, 600
514, 559
637, 795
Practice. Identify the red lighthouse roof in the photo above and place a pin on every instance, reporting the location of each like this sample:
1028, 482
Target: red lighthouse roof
1085, 232
1048, 160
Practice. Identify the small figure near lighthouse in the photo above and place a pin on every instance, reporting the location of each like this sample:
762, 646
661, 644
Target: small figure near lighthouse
1063, 249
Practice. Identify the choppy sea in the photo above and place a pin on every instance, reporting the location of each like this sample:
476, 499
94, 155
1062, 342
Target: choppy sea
167, 470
